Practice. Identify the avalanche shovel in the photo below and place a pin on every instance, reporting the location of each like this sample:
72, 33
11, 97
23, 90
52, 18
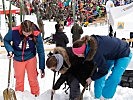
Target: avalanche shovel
9, 94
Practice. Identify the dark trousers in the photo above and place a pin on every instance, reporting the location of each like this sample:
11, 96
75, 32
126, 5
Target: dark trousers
131, 36
74, 89
1, 38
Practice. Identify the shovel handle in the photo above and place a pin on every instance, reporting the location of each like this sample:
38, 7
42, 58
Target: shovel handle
52, 94
9, 72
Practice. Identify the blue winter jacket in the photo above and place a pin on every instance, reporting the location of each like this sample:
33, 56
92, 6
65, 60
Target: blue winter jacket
25, 50
108, 48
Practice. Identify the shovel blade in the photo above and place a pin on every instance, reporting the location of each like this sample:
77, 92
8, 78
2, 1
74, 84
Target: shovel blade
9, 94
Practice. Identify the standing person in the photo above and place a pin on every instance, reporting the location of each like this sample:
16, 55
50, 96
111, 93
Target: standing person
41, 26
76, 31
69, 20
60, 38
101, 50
109, 4
110, 30
61, 61
26, 40
131, 37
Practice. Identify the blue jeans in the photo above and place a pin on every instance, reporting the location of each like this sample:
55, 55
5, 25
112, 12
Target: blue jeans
106, 87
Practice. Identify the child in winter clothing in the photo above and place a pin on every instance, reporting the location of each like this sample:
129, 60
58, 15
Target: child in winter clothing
61, 61
60, 38
26, 40
108, 53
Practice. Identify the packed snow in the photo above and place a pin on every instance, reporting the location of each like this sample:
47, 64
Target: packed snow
122, 93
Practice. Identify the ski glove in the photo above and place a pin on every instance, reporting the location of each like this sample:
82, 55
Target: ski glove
53, 91
89, 80
42, 73
10, 55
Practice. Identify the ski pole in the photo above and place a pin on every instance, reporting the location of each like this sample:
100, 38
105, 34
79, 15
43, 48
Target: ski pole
53, 86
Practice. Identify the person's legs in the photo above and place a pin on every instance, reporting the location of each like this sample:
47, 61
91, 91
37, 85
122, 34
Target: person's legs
129, 44
32, 73
132, 44
19, 69
114, 79
74, 89
99, 83
98, 86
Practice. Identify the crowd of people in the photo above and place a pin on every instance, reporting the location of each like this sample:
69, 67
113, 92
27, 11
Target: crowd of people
86, 11
55, 9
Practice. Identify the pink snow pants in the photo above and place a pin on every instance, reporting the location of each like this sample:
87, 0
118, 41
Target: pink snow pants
31, 67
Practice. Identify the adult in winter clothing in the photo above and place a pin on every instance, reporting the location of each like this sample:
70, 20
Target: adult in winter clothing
60, 38
27, 42
131, 36
60, 61
76, 31
108, 53
41, 26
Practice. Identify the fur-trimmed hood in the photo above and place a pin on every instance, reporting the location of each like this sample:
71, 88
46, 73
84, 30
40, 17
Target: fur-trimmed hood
93, 47
63, 52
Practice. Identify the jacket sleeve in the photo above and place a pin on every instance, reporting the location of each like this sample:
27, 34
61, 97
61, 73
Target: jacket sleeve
66, 39
60, 81
102, 67
99, 73
72, 29
7, 41
40, 51
80, 30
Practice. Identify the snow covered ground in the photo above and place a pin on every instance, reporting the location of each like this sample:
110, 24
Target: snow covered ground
46, 83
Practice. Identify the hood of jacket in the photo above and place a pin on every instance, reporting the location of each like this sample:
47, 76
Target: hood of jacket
36, 31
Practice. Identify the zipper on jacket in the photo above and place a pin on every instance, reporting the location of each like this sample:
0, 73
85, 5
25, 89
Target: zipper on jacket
24, 46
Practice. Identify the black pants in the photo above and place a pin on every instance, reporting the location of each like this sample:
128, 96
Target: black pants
74, 89
131, 36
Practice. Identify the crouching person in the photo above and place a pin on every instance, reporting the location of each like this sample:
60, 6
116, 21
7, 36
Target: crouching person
108, 53
60, 61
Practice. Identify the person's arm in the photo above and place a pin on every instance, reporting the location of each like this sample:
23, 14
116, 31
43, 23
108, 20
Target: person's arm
7, 42
72, 29
41, 54
66, 39
80, 30
60, 81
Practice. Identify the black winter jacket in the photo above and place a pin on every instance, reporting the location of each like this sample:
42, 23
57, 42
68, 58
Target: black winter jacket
78, 70
60, 39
